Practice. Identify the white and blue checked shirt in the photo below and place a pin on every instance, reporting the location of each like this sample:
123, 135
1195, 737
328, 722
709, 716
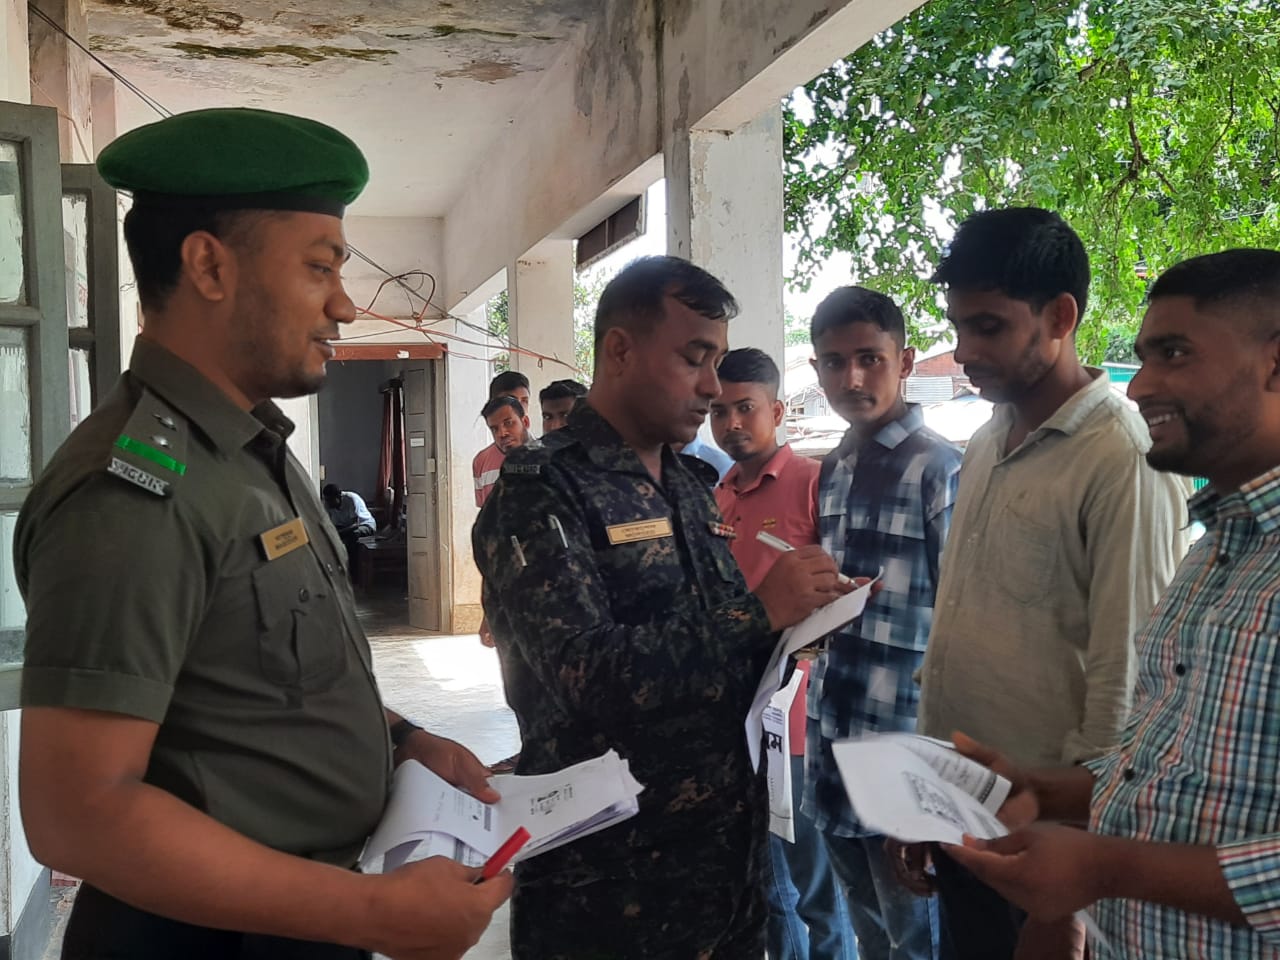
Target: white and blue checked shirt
1199, 760
886, 503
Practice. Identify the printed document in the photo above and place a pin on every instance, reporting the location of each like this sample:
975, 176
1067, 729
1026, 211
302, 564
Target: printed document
556, 808
777, 752
918, 789
823, 621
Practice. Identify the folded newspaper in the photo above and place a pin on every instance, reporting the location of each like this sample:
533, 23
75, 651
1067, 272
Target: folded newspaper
427, 817
918, 789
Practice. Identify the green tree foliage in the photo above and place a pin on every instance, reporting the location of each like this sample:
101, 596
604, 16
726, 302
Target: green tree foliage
1150, 125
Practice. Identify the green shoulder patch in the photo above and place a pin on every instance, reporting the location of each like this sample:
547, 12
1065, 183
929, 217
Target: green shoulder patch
151, 450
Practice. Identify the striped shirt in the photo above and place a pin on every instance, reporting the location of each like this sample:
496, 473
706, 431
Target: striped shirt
1199, 760
886, 503
486, 467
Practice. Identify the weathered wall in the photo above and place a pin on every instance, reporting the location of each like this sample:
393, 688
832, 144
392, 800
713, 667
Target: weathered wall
15, 78
592, 122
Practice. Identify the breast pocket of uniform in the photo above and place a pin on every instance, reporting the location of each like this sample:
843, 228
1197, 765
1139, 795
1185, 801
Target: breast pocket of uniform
300, 636
1027, 550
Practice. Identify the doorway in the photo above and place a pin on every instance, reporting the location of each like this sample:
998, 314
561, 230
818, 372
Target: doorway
371, 411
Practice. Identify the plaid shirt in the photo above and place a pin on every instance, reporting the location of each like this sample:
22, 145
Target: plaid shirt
1199, 761
884, 504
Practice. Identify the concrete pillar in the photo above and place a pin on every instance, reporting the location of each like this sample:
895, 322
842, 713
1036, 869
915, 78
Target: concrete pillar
724, 212
540, 309
60, 76
467, 378
15, 76
102, 92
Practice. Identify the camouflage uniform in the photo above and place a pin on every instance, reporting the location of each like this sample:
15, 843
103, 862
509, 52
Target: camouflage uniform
622, 621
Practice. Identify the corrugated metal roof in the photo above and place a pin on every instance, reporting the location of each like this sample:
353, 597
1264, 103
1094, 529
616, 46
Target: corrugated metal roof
928, 389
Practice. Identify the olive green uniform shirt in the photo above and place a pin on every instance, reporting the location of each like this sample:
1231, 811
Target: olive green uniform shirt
149, 593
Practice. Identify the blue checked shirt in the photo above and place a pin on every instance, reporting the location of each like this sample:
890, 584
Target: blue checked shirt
1199, 760
884, 504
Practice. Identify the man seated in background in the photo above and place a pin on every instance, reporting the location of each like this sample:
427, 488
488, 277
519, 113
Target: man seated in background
557, 400
488, 461
350, 516
771, 489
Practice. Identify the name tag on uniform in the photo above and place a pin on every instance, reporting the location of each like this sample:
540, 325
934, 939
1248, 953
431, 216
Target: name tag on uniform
283, 539
640, 530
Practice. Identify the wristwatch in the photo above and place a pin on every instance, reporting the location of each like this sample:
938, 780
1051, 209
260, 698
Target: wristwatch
401, 730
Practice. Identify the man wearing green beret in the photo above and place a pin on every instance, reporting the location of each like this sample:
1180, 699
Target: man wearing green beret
203, 741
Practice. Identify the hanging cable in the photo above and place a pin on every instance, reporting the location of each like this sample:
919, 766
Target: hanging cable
129, 85
399, 279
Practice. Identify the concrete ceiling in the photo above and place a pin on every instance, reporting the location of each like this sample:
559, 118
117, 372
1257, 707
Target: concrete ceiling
424, 86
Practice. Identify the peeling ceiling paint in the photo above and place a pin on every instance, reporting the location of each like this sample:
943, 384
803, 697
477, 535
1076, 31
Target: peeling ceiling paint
424, 86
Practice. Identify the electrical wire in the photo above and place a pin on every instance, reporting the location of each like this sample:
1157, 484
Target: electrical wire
399, 279
129, 85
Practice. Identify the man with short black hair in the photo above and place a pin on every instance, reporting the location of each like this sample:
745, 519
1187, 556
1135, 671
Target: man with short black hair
1184, 841
884, 502
1063, 535
507, 421
488, 462
771, 490
557, 400
623, 622
203, 741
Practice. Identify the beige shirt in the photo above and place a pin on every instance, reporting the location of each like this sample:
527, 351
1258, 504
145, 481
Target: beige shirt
1058, 552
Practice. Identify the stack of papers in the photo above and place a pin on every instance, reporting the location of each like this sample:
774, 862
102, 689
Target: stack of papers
918, 789
427, 817
823, 621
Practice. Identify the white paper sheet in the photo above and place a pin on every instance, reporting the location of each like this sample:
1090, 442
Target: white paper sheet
810, 630
777, 735
555, 808
918, 789
897, 792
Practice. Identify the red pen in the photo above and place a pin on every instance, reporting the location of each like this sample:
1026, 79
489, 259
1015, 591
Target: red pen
493, 866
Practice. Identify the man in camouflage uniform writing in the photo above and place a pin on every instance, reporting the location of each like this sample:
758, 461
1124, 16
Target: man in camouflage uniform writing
623, 622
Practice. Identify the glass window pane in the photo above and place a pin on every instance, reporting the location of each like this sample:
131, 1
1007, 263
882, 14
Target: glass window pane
13, 615
15, 409
81, 385
13, 286
75, 251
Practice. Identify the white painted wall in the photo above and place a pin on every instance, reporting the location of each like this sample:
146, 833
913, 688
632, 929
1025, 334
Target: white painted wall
467, 375
540, 310
15, 79
724, 212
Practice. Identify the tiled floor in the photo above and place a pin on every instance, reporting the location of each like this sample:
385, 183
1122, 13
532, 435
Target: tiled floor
452, 686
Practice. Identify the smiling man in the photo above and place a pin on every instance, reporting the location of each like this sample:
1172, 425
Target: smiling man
623, 622
203, 741
1184, 843
1063, 535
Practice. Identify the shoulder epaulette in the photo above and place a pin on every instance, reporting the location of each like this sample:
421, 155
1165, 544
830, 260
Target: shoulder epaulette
151, 450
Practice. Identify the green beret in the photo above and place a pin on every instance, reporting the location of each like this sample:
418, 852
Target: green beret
235, 158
